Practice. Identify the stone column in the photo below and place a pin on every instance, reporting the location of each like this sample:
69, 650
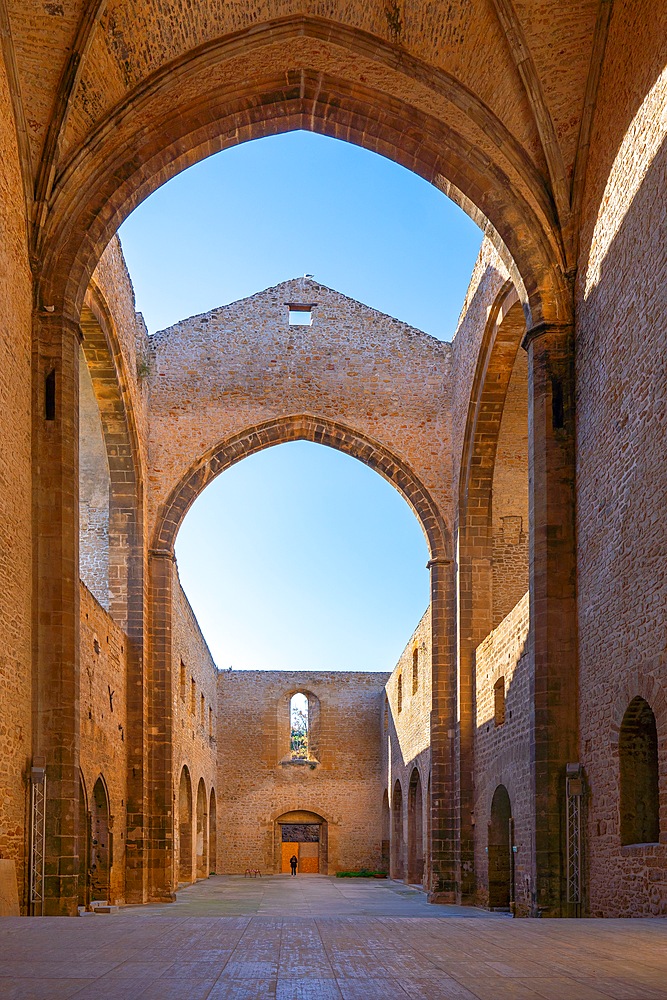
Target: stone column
444, 879
56, 597
551, 430
159, 741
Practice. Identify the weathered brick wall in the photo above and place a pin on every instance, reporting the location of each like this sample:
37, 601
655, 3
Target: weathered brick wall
94, 485
510, 497
621, 377
502, 753
194, 730
103, 721
15, 497
258, 783
407, 733
217, 374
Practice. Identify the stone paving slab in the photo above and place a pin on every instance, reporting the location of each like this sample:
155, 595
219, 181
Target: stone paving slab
141, 954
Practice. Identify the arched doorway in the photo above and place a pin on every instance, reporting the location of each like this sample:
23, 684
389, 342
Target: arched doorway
415, 829
386, 838
397, 863
184, 868
100, 844
212, 835
304, 834
500, 851
201, 851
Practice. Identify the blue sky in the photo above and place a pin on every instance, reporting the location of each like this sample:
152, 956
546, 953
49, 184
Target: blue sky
300, 557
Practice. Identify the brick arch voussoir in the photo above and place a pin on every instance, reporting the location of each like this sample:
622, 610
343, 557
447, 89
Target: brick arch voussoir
167, 124
318, 431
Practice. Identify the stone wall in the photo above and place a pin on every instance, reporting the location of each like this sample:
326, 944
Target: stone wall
621, 398
259, 782
15, 497
502, 751
510, 497
215, 375
103, 723
195, 715
407, 738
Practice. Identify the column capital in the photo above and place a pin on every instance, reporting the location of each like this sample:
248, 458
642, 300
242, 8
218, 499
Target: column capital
546, 329
439, 561
52, 318
162, 554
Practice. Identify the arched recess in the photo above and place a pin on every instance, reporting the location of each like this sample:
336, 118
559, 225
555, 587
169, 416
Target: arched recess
85, 837
500, 851
101, 854
296, 74
397, 854
415, 829
106, 365
499, 351
212, 834
386, 828
323, 431
639, 775
184, 855
201, 847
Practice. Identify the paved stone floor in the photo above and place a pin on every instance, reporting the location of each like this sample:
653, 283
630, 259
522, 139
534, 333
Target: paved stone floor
387, 945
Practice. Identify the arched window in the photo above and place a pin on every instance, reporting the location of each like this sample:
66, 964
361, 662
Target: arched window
499, 701
299, 734
399, 697
415, 669
638, 760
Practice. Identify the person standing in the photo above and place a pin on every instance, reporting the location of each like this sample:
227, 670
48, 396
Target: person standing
293, 862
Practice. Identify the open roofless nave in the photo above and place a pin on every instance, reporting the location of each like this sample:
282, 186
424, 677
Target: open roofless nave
515, 758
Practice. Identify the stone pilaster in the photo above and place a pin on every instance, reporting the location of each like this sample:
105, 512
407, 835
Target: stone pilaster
444, 880
56, 597
159, 739
551, 430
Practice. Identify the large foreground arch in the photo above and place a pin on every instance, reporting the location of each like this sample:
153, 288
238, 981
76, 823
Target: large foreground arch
290, 73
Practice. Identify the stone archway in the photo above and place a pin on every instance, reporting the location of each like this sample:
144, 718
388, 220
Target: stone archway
397, 859
377, 456
212, 834
303, 834
415, 873
100, 850
500, 851
184, 860
201, 843
95, 169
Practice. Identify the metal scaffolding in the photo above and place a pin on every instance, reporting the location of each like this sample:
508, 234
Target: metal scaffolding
37, 839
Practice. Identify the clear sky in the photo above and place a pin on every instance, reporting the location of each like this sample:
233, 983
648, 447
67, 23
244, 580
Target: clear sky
300, 557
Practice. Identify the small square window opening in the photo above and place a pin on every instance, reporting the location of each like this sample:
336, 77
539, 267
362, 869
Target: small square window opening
300, 315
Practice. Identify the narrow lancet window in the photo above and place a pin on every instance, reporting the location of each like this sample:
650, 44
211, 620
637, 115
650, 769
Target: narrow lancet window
299, 727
